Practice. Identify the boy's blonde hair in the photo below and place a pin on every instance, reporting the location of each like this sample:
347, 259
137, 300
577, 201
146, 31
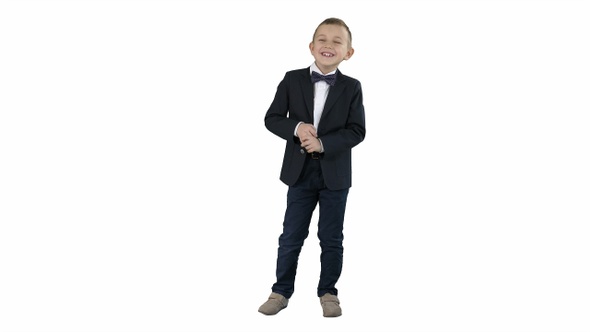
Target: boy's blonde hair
335, 21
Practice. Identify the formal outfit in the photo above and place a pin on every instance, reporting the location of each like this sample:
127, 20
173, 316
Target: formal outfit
334, 105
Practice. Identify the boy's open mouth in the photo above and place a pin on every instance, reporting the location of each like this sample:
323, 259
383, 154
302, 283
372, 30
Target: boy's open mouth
327, 54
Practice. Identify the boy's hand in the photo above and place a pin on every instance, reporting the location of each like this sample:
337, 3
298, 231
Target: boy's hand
306, 130
311, 144
309, 138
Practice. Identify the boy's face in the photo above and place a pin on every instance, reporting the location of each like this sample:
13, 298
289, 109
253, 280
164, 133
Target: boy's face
330, 46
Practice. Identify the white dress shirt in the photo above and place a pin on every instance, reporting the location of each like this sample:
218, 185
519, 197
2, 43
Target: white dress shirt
320, 94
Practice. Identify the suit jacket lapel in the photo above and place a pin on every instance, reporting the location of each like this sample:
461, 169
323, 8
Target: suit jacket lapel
307, 88
333, 94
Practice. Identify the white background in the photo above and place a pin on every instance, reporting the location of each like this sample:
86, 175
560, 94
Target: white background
139, 188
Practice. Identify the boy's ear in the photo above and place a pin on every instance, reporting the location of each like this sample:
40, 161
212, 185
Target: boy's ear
349, 53
311, 47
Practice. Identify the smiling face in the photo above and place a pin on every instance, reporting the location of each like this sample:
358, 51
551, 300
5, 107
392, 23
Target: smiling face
330, 46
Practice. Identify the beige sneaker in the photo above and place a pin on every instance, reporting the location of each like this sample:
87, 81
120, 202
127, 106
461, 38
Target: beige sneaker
330, 305
275, 303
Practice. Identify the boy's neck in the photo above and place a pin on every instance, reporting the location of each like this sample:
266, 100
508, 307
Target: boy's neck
324, 71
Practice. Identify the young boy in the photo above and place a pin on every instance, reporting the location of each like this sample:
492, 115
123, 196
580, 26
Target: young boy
320, 113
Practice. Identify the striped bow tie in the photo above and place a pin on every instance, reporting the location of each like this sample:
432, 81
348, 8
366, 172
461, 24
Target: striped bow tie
316, 77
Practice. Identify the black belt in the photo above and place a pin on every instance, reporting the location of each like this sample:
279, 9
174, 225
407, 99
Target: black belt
316, 155
313, 155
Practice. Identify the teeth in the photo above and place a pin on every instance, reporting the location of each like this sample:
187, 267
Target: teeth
327, 54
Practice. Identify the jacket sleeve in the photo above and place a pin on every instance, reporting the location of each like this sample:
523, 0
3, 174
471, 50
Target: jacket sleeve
276, 119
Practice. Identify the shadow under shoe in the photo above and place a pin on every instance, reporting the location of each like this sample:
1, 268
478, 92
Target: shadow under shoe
275, 303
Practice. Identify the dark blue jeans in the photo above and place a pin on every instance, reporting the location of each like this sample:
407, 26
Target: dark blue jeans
302, 199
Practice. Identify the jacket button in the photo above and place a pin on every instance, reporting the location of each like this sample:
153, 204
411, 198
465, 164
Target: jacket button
302, 151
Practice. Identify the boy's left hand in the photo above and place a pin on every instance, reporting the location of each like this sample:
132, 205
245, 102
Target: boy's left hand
311, 144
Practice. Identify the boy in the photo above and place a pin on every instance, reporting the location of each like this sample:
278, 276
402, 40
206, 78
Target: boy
320, 113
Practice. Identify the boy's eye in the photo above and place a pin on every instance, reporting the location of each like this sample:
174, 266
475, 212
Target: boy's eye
337, 42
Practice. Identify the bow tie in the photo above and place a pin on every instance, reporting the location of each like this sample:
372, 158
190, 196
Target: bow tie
316, 77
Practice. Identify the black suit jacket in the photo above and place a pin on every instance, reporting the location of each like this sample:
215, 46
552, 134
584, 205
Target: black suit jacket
341, 127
